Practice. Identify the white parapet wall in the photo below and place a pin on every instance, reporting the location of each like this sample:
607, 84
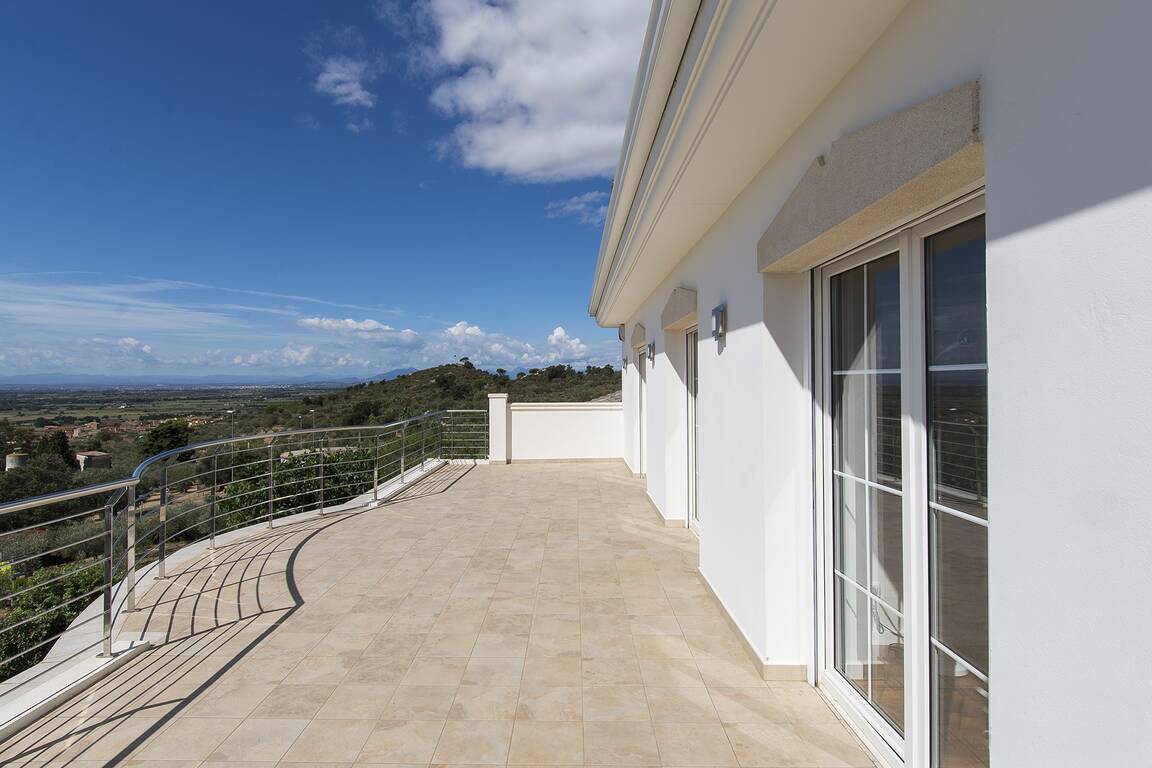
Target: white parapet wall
555, 431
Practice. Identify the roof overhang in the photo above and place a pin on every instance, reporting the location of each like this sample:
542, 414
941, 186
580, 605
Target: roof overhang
720, 87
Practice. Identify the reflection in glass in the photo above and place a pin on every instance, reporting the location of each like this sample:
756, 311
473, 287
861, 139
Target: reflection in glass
884, 441
850, 540
958, 460
867, 520
884, 312
887, 534
960, 587
957, 379
849, 424
888, 664
956, 299
851, 606
960, 711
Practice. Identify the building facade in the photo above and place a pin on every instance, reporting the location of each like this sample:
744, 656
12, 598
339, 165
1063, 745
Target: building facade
881, 275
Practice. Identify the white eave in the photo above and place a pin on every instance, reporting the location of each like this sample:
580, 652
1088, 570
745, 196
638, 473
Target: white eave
721, 86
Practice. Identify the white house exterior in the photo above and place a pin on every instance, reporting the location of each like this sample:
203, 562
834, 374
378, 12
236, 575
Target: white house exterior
915, 451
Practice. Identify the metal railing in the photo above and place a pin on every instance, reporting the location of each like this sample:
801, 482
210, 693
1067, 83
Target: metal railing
62, 551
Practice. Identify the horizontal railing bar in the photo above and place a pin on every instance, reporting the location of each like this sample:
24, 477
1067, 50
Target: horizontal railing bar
56, 607
52, 639
54, 550
53, 521
69, 574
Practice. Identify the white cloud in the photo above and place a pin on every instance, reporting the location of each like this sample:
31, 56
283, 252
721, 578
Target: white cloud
588, 208
363, 125
540, 88
291, 355
565, 347
365, 330
344, 72
490, 349
344, 80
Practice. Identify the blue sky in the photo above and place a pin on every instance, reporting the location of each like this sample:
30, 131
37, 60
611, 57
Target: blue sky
299, 188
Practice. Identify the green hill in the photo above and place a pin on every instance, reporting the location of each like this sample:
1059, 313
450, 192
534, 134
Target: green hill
454, 386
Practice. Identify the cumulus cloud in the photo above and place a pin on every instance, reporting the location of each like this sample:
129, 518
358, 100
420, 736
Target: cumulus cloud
290, 355
366, 330
540, 89
588, 208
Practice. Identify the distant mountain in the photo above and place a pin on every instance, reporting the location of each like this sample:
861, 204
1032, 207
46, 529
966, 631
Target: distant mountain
104, 381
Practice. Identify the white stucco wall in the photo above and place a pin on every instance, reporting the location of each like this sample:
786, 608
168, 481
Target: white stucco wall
553, 431
1069, 221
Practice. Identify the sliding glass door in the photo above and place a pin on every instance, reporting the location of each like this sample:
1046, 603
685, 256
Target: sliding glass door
904, 489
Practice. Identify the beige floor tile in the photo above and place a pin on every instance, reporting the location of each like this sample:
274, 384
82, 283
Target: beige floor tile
611, 672
481, 702
493, 672
356, 701
395, 645
314, 670
233, 699
420, 702
553, 644
832, 745
189, 738
336, 741
681, 705
555, 704
500, 646
551, 671
393, 741
603, 645
728, 673
448, 645
671, 673
802, 703
294, 701
256, 741
685, 744
545, 743
767, 745
616, 703
383, 669
748, 705
434, 671
476, 742
342, 643
661, 647
620, 744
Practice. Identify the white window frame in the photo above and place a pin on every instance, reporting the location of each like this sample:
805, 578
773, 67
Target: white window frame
915, 747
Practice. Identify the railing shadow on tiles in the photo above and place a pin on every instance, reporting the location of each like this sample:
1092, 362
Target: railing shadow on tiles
69, 560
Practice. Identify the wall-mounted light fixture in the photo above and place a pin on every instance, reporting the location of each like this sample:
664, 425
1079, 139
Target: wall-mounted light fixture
719, 321
651, 351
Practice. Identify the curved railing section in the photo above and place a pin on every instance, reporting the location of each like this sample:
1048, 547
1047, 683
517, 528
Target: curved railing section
63, 552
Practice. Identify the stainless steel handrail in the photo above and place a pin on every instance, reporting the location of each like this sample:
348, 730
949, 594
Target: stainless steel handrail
347, 460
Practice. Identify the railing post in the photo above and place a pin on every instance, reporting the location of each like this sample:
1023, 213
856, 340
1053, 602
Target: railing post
376, 468
321, 451
130, 553
212, 505
160, 572
271, 481
403, 454
423, 444
107, 607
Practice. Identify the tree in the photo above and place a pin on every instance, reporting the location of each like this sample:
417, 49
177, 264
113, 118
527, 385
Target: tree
56, 443
165, 437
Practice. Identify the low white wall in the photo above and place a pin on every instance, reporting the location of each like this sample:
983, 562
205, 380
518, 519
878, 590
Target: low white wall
542, 431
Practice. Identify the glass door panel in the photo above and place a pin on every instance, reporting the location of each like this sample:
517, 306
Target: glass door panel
957, 424
867, 515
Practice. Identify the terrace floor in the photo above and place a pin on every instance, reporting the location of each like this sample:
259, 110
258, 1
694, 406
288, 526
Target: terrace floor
532, 614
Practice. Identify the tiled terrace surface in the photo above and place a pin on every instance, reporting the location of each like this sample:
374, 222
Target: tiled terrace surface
530, 615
